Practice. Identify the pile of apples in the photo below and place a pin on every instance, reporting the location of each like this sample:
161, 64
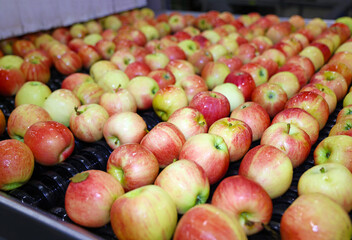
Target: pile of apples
253, 90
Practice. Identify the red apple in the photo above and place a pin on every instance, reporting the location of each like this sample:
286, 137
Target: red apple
302, 119
200, 58
11, 80
269, 64
269, 167
21, 47
259, 73
343, 127
167, 150
246, 52
313, 103
89, 197
192, 85
243, 81
255, 116
341, 68
210, 152
212, 105
344, 113
50, 142
62, 34
120, 100
290, 139
122, 128
105, 48
194, 184
271, 97
35, 70
207, 222
236, 134
17, 164
214, 73
133, 166
137, 69
163, 77
74, 79
180, 68
69, 63
22, 117
87, 121
315, 216
189, 121
245, 200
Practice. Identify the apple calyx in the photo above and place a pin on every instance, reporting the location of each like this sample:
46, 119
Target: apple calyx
199, 200
154, 90
118, 173
34, 60
213, 95
329, 75
322, 170
200, 120
348, 126
79, 177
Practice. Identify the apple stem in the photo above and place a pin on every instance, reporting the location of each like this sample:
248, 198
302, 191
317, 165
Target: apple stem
198, 200
77, 112
322, 170
288, 128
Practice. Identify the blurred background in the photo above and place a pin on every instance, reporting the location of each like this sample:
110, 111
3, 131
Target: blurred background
328, 9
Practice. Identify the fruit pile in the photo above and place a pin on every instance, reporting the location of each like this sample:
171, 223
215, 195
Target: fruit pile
182, 126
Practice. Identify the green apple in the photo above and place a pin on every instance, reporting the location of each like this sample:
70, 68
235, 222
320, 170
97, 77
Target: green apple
346, 20
92, 39
32, 92
60, 104
11, 61
347, 99
113, 79
150, 32
169, 99
188, 46
232, 93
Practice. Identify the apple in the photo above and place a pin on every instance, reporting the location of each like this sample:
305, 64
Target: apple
202, 41
278, 31
74, 79
21, 47
315, 55
306, 66
269, 167
263, 43
341, 68
195, 186
78, 30
230, 45
287, 81
157, 60
210, 152
344, 113
188, 46
297, 21
325, 92
120, 100
342, 57
89, 55
99, 68
112, 22
60, 105
246, 52
233, 62
112, 80
11, 62
50, 142
269, 64
334, 80
122, 128
90, 196
133, 166
180, 68
87, 122
177, 22
121, 58
214, 73
286, 48
236, 134
32, 92
290, 139
212, 105
147, 212
163, 77
35, 70
88, 92
143, 90
275, 54
75, 44
334, 149
173, 52
301, 119
343, 127
167, 150
258, 72
313, 103
11, 80
69, 63
167, 100
271, 97
93, 26
243, 81
315, 216
105, 48
56, 50
211, 35
245, 200
17, 164
40, 55
189, 121
206, 221
232, 93
22, 117
192, 85
200, 58
137, 69
330, 179
255, 116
